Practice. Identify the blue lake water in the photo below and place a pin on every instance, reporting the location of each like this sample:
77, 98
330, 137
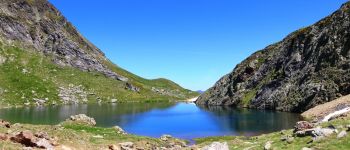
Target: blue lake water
181, 120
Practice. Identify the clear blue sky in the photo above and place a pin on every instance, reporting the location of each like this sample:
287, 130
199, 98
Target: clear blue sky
192, 42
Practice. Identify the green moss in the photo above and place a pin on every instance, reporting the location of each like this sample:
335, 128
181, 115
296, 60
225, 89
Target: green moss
248, 96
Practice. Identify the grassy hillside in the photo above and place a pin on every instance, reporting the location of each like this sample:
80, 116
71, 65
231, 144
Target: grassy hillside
27, 76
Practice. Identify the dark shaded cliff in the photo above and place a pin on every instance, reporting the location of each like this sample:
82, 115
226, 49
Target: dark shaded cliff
309, 67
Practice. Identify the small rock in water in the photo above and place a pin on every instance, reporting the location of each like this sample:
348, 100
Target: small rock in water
268, 145
341, 134
216, 146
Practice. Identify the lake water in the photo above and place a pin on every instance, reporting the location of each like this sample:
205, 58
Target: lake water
181, 120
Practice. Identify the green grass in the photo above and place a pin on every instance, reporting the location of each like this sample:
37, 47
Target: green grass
258, 142
28, 74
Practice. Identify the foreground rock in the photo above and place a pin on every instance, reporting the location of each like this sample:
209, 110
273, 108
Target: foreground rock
39, 140
119, 130
5, 124
307, 68
216, 146
82, 118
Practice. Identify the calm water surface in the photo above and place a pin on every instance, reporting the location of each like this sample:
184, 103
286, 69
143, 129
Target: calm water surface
182, 120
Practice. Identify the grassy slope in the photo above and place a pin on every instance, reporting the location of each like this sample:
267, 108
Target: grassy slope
43, 78
80, 136
258, 142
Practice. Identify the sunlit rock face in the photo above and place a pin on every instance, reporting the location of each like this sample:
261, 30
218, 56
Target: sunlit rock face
37, 24
311, 66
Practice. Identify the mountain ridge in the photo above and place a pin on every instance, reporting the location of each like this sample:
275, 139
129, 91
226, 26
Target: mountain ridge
45, 60
308, 67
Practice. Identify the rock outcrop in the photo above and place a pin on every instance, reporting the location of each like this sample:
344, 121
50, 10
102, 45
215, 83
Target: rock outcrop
309, 67
39, 25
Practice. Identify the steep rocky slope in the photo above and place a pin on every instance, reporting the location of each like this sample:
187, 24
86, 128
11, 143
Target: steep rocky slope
309, 67
44, 59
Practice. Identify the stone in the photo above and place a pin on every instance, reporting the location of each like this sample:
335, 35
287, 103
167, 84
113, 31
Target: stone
348, 127
165, 137
119, 130
25, 138
114, 100
289, 139
216, 146
82, 118
341, 134
114, 147
4, 137
126, 145
302, 125
44, 143
268, 145
306, 148
4, 123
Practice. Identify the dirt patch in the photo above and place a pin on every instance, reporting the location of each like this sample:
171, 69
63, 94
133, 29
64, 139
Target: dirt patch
320, 111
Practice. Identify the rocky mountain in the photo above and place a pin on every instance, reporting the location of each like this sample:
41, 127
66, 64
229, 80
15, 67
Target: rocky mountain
309, 67
44, 59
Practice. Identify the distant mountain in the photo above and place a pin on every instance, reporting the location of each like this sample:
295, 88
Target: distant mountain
45, 60
200, 91
309, 67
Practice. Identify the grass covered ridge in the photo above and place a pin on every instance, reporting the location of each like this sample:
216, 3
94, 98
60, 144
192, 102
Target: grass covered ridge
26, 75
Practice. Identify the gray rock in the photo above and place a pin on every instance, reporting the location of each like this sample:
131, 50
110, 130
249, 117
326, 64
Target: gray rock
165, 137
119, 130
341, 134
82, 118
216, 146
307, 68
268, 145
126, 146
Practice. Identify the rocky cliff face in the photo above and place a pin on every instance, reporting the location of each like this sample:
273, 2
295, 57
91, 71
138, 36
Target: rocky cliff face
38, 24
309, 67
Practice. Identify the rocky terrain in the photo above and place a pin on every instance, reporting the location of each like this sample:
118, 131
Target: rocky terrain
45, 60
310, 66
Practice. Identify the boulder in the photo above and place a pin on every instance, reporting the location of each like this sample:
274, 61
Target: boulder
126, 146
268, 145
119, 130
216, 146
4, 123
82, 118
341, 134
302, 125
165, 137
114, 147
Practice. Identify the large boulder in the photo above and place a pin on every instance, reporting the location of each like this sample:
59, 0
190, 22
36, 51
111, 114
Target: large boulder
216, 146
82, 118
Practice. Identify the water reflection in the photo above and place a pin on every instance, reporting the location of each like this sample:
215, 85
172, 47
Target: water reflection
181, 120
251, 122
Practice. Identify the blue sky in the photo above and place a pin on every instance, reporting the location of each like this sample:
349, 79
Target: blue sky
192, 42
